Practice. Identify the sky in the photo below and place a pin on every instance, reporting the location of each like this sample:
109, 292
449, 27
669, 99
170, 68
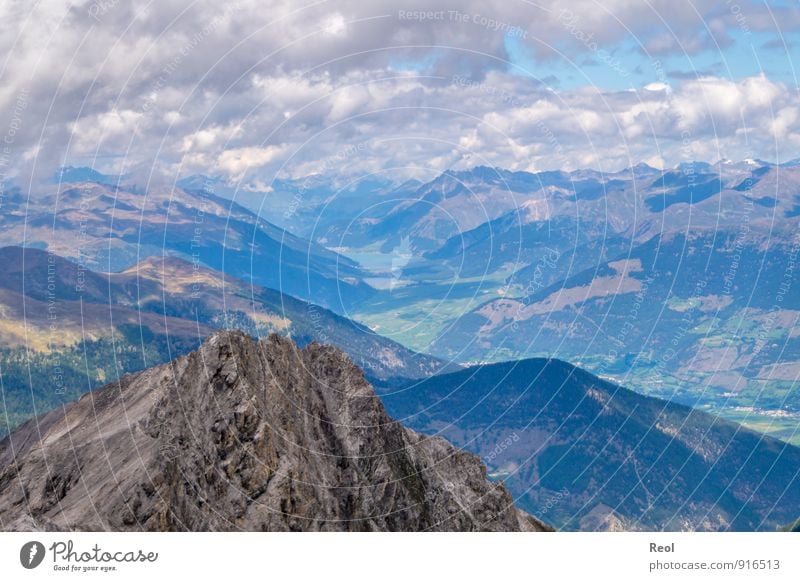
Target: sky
251, 91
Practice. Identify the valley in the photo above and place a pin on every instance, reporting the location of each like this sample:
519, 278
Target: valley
705, 304
67, 329
582, 333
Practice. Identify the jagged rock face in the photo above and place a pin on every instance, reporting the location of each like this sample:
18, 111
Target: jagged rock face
243, 436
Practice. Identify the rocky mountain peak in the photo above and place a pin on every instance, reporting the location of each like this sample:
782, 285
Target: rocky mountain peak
243, 435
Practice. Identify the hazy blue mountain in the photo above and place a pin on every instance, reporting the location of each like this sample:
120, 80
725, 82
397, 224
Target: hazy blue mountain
516, 245
316, 207
111, 228
70, 174
496, 223
586, 454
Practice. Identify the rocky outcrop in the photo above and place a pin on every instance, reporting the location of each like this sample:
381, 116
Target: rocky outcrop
243, 435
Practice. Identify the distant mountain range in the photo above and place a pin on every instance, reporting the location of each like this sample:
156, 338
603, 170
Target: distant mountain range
243, 436
638, 202
681, 282
112, 227
678, 281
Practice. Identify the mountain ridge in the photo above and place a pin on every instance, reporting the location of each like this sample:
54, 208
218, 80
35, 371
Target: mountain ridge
110, 227
242, 435
612, 457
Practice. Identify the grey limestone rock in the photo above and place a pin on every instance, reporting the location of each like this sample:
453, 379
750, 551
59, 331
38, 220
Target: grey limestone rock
243, 435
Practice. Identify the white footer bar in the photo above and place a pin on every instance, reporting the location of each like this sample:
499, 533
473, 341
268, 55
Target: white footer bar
417, 556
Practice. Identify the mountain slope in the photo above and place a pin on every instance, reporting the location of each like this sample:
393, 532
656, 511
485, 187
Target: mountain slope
707, 317
458, 207
526, 232
587, 454
108, 227
66, 329
243, 436
168, 294
516, 243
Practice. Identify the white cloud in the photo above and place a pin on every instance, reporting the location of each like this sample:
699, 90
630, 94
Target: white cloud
238, 161
263, 87
335, 25
108, 129
210, 137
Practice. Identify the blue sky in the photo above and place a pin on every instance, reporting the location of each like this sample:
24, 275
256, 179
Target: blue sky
749, 54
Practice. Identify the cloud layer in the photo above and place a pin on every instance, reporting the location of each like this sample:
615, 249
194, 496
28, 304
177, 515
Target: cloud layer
252, 90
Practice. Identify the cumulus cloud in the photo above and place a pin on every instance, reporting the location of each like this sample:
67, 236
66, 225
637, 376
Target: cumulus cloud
250, 90
239, 160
